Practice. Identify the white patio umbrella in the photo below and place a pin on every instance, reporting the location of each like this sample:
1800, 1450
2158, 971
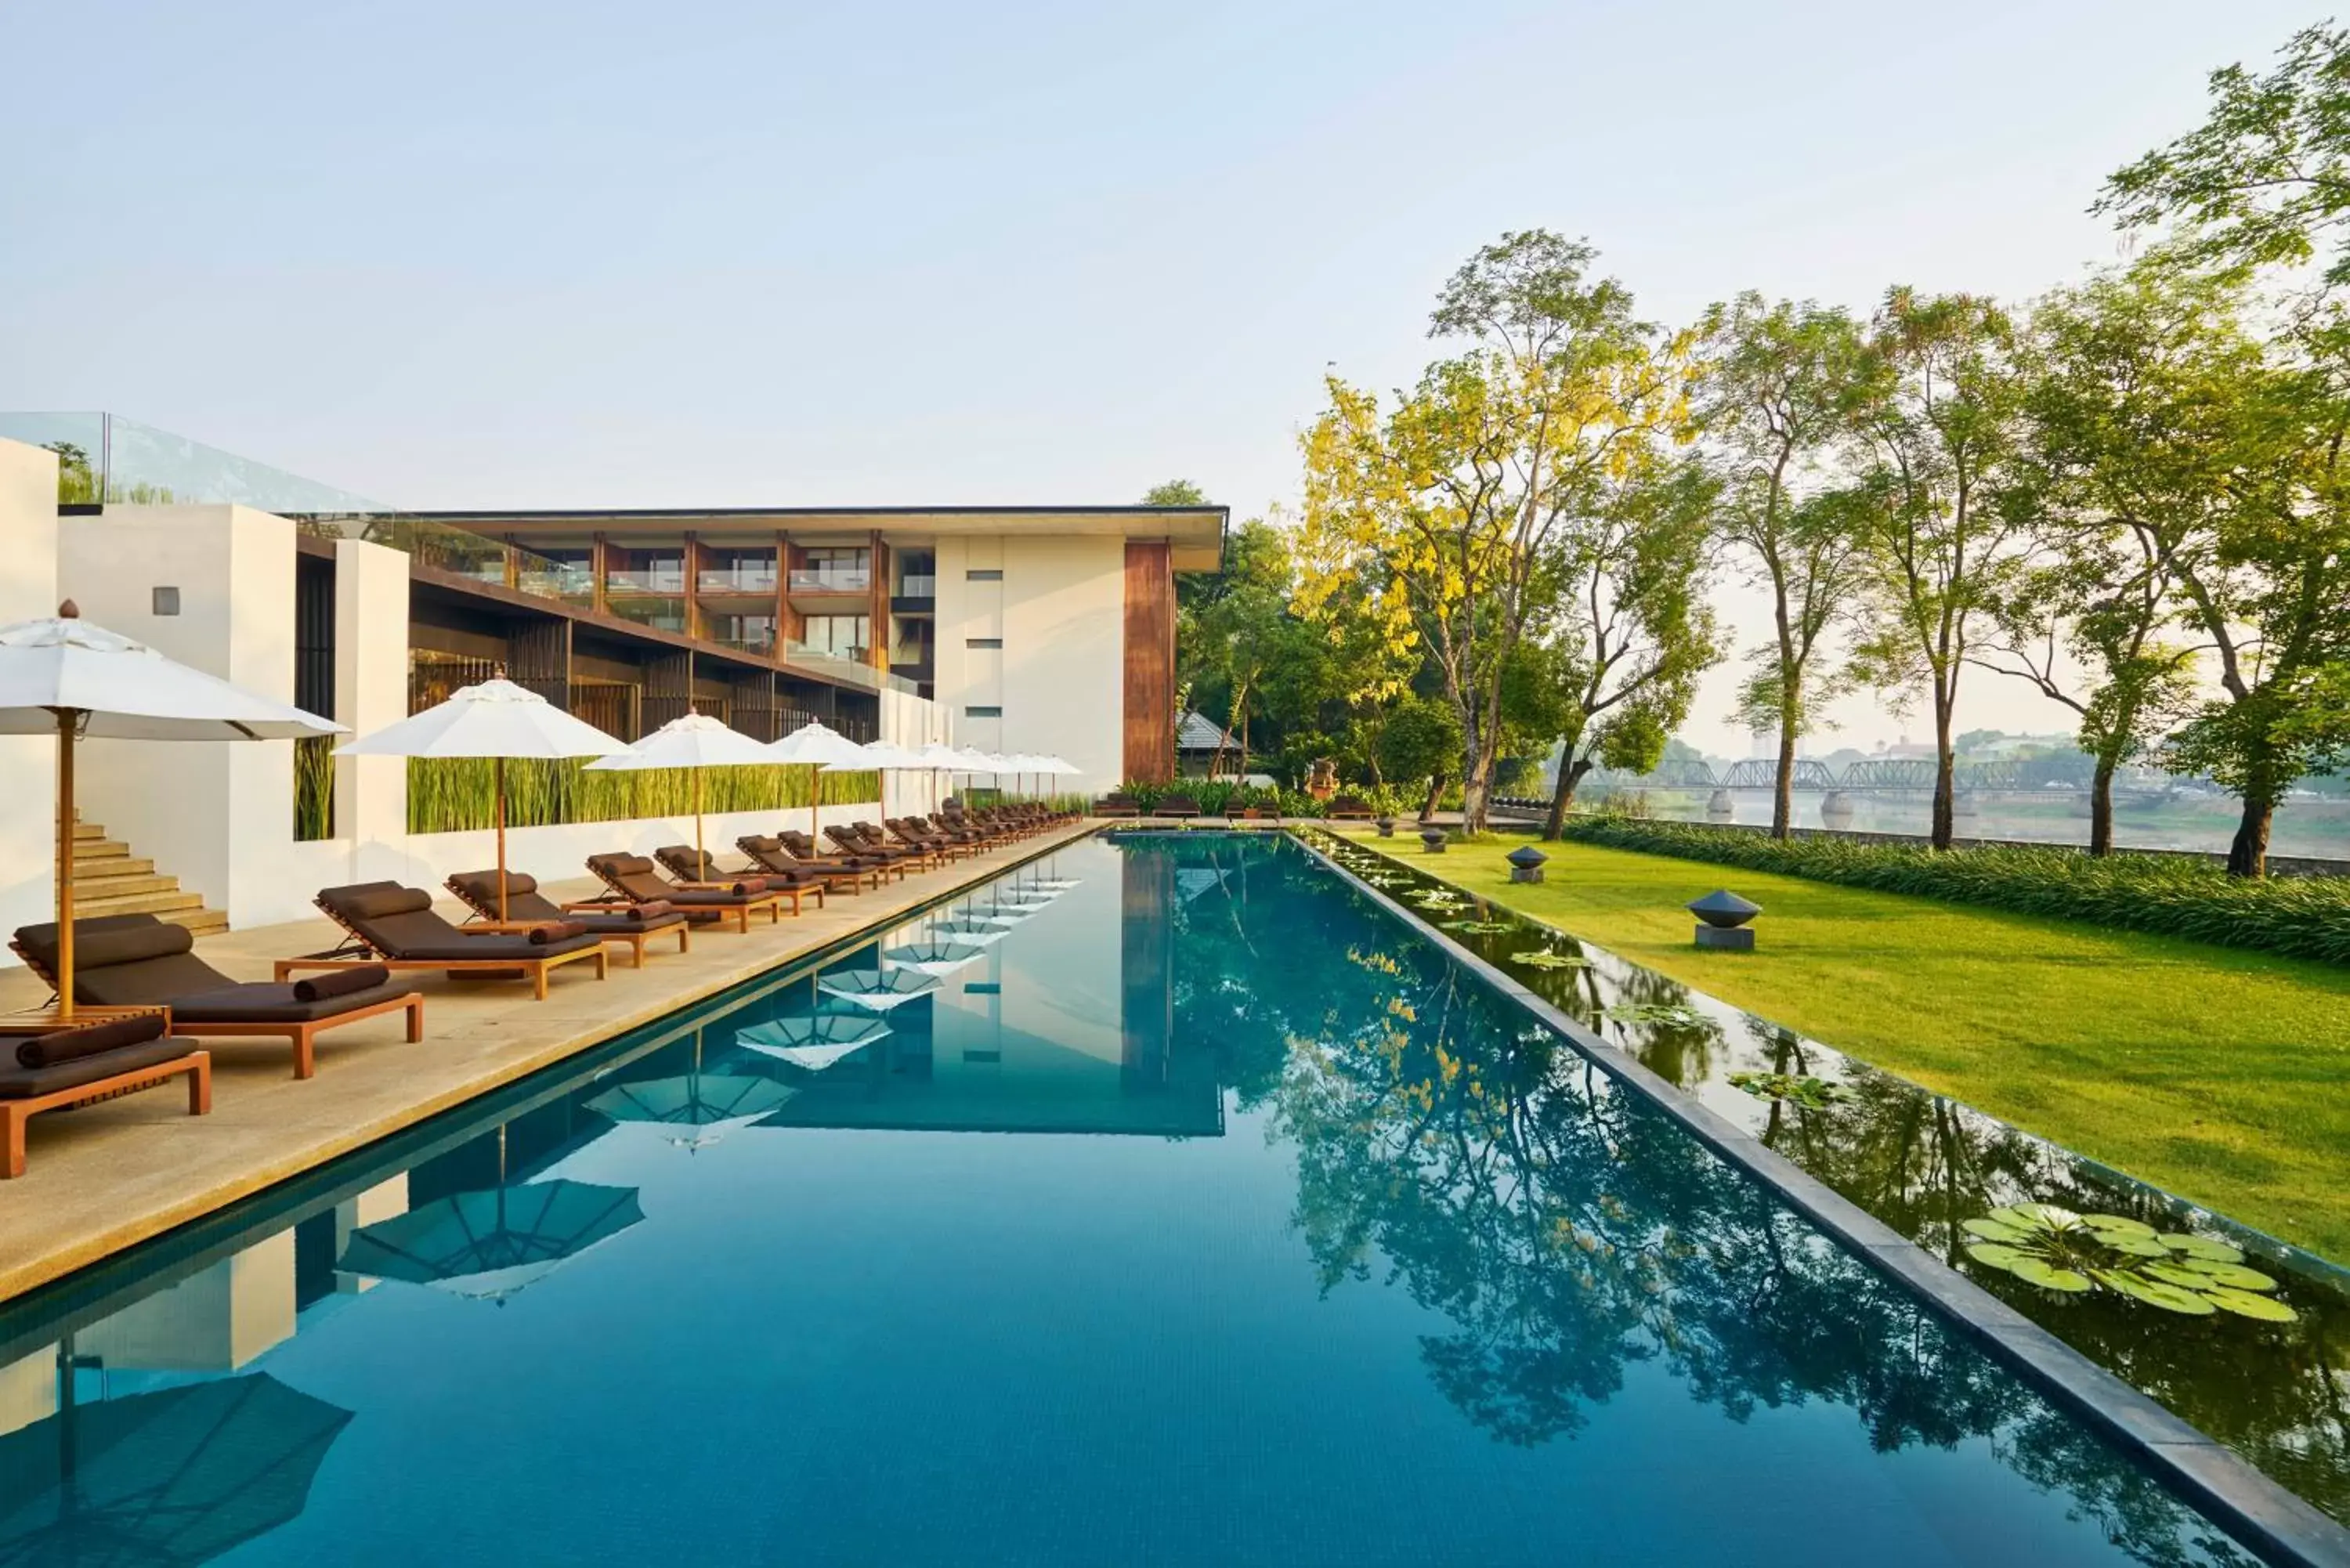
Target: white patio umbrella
697, 740
1059, 766
61, 675
497, 719
814, 746
886, 756
941, 758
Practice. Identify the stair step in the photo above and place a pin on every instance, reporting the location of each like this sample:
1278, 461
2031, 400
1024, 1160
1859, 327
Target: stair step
136, 904
128, 884
97, 869
99, 848
84, 829
203, 922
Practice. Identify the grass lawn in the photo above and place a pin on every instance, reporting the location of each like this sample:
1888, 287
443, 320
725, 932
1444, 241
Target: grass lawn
2220, 1075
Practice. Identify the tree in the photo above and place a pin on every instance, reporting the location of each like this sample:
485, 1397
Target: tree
1420, 742
2137, 393
1176, 492
1436, 514
2259, 191
1941, 541
1784, 383
1634, 632
2266, 180
1246, 630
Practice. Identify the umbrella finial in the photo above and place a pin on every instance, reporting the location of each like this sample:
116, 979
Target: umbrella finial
69, 611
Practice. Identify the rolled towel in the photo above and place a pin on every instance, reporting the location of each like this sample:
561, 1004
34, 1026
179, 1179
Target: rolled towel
652, 909
340, 982
555, 931
73, 1044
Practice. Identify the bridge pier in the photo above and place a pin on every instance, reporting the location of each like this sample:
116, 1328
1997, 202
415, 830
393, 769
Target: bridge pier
1719, 807
1835, 809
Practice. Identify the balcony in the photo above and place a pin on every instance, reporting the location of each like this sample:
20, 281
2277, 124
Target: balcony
750, 582
832, 579
573, 583
922, 587
665, 580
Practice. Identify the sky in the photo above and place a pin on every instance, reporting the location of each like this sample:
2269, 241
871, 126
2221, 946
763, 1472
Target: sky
493, 254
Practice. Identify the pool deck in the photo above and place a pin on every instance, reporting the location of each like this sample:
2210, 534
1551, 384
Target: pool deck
101, 1178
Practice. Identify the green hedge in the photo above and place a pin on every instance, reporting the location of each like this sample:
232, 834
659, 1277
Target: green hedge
2306, 916
1215, 796
448, 795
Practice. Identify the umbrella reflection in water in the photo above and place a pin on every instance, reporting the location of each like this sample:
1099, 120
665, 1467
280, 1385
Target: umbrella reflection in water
814, 1044
490, 1244
177, 1476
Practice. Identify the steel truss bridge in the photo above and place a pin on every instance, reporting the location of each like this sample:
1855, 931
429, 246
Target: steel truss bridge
1872, 775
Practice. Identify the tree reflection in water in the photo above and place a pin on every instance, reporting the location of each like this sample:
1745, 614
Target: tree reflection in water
1563, 1228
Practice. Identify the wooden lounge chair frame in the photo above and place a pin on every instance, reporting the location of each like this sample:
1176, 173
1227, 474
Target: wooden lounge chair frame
838, 876
481, 920
14, 1114
357, 952
772, 901
302, 1035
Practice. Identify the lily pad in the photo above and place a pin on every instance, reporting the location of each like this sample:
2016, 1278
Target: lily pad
2033, 1272
1993, 1230
2234, 1276
2204, 1247
2245, 1304
1995, 1254
1544, 957
1478, 928
2154, 1293
2117, 1225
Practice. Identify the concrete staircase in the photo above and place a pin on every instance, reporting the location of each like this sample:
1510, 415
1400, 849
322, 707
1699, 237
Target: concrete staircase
109, 880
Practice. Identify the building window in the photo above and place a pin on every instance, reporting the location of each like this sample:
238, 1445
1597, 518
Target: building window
982, 642
834, 569
984, 574
983, 712
841, 636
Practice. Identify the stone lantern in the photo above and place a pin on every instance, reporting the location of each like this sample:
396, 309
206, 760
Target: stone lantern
1526, 863
1434, 839
1724, 916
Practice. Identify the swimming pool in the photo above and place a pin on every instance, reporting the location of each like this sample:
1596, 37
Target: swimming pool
1164, 1202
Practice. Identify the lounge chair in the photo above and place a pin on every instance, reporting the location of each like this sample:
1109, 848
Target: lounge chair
852, 840
633, 880
397, 927
527, 907
1176, 808
806, 849
1349, 808
139, 961
696, 868
1118, 804
773, 855
79, 1063
919, 834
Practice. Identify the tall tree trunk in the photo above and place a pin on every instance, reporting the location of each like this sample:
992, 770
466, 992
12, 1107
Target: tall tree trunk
1435, 793
1782, 793
2101, 807
1946, 773
2247, 855
1476, 786
1570, 776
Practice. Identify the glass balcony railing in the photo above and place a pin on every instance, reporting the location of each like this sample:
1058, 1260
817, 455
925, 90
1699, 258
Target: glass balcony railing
572, 582
832, 579
670, 579
918, 587
751, 580
661, 614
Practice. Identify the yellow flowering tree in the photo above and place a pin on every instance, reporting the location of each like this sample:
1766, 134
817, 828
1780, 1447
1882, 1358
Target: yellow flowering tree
1440, 515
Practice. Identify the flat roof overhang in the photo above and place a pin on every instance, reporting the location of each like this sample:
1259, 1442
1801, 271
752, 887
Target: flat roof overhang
1197, 533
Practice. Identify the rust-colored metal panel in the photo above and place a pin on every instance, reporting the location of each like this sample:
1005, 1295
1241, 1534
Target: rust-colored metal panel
1149, 662
877, 601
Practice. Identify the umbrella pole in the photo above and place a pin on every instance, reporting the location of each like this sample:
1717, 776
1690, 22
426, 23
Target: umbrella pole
816, 783
498, 768
64, 863
701, 857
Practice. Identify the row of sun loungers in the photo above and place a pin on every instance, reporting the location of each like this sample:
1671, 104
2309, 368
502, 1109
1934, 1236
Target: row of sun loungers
1184, 808
141, 992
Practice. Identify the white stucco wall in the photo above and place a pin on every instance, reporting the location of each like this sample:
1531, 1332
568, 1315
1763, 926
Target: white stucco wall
28, 587
216, 815
1060, 676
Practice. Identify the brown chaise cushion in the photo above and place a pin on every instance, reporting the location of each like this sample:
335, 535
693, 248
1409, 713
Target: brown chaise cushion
337, 983
124, 960
76, 1042
400, 922
480, 888
32, 1083
555, 931
278, 1001
694, 866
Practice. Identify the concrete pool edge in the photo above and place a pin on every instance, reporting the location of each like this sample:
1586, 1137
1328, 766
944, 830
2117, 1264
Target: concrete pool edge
2264, 1515
23, 1273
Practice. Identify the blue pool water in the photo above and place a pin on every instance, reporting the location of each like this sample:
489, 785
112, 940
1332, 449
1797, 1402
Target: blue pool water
1200, 1213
